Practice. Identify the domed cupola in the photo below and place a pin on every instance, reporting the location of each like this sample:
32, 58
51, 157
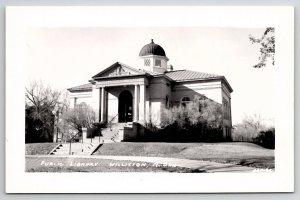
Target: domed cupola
153, 58
152, 49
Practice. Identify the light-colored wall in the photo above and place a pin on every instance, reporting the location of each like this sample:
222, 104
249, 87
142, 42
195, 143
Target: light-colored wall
159, 88
156, 111
86, 100
227, 97
113, 106
212, 90
147, 106
95, 102
80, 97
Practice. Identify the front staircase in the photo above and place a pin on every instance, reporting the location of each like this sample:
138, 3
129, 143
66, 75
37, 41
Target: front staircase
114, 132
76, 149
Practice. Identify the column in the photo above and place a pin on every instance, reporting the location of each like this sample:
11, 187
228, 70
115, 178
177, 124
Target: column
95, 102
135, 114
102, 104
142, 103
105, 105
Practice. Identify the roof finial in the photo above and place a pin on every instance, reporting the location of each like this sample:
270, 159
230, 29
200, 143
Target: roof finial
152, 41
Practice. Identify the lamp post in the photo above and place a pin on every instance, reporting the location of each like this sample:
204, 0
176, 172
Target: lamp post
57, 121
56, 113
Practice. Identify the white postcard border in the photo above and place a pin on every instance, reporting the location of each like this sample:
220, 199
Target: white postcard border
18, 19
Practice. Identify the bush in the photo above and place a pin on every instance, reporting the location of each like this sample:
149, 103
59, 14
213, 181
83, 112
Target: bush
38, 127
199, 111
200, 120
173, 133
266, 138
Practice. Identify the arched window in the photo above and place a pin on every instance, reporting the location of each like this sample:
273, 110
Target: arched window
185, 101
167, 102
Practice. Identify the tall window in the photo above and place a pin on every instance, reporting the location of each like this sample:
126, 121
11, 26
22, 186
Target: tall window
185, 101
147, 62
75, 102
226, 109
158, 63
167, 102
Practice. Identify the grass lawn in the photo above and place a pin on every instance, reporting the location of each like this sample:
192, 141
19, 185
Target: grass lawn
246, 154
39, 148
71, 164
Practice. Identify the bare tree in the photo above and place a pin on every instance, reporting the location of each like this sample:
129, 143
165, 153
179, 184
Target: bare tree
254, 121
42, 97
77, 118
40, 102
44, 107
267, 50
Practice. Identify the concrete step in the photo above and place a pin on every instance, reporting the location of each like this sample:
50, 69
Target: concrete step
109, 134
113, 132
76, 148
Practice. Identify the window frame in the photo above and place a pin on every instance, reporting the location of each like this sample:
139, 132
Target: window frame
167, 102
157, 60
147, 62
184, 103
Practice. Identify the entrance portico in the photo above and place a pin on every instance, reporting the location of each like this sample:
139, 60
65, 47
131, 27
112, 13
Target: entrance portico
120, 101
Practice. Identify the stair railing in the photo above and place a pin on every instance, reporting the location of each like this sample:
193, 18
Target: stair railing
71, 140
110, 122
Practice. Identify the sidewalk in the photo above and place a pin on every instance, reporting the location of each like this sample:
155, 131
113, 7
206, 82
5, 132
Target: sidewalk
205, 166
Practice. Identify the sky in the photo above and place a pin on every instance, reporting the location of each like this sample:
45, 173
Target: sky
68, 57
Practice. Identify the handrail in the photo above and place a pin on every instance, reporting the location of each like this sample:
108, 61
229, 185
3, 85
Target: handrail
110, 122
72, 138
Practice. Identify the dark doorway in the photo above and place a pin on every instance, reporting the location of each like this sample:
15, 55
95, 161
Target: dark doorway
125, 106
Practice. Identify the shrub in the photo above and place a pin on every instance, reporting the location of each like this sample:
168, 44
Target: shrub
266, 138
199, 120
199, 111
38, 127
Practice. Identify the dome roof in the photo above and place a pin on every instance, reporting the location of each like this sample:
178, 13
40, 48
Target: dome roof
152, 49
